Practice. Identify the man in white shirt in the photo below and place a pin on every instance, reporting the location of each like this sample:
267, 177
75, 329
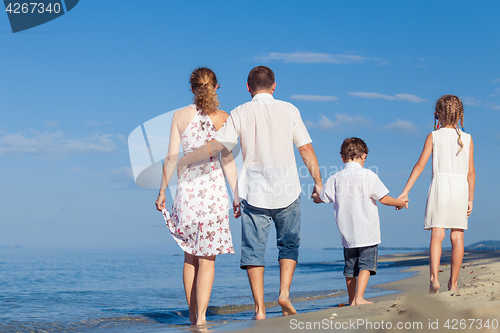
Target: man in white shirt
269, 184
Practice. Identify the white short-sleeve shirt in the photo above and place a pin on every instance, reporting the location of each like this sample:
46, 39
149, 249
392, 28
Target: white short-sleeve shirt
354, 192
268, 129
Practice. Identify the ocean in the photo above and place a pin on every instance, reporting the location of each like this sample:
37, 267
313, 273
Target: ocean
141, 290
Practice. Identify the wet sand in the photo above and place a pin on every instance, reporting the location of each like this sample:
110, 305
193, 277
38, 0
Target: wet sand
474, 307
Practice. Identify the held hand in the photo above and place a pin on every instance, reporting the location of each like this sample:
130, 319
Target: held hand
316, 198
317, 189
236, 207
404, 197
469, 208
404, 203
160, 202
181, 167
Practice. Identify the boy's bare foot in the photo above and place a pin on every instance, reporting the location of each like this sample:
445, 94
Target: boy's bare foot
434, 287
452, 287
360, 301
287, 308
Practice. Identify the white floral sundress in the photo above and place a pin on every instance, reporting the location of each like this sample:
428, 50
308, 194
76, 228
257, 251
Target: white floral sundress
200, 213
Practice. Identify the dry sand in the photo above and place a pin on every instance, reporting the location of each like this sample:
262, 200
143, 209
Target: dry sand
474, 307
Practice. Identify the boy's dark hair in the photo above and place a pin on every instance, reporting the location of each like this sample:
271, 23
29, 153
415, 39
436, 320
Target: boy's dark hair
260, 78
353, 148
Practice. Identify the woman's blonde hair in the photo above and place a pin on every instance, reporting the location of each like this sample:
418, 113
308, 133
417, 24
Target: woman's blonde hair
203, 83
450, 110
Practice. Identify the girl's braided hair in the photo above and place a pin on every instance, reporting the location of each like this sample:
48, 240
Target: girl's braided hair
450, 111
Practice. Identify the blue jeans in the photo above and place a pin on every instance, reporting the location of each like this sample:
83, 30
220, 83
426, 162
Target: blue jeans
360, 258
255, 224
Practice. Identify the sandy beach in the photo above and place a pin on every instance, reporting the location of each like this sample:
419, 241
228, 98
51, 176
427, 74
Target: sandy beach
475, 306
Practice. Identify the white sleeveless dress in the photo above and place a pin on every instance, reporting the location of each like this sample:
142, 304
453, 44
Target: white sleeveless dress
200, 213
449, 191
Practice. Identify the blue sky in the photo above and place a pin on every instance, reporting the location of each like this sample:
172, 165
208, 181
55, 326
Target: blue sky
72, 90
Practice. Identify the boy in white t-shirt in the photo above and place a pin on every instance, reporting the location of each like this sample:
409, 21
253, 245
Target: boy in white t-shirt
354, 192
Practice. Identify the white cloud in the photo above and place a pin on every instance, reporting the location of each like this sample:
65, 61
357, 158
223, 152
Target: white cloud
495, 107
397, 97
495, 80
401, 125
97, 123
471, 101
312, 58
314, 98
52, 123
56, 144
371, 95
341, 121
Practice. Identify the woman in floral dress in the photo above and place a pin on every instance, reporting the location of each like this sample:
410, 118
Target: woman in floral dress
200, 213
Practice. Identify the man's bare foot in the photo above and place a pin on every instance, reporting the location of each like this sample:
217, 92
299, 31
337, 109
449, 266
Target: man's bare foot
434, 287
452, 287
358, 301
287, 308
201, 323
259, 316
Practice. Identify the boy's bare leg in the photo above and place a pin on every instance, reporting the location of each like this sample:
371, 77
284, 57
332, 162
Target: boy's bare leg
256, 278
351, 288
457, 255
287, 268
363, 278
437, 236
189, 275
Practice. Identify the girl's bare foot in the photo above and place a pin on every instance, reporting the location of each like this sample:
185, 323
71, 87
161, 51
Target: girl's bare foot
452, 287
434, 287
287, 308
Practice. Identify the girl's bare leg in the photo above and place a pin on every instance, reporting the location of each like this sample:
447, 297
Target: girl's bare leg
204, 283
457, 255
189, 277
435, 249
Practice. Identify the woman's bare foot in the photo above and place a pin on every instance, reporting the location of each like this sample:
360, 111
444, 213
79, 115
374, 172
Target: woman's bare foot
361, 301
259, 316
434, 287
452, 287
287, 308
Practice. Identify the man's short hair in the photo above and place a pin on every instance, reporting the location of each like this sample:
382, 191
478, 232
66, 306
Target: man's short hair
260, 78
353, 148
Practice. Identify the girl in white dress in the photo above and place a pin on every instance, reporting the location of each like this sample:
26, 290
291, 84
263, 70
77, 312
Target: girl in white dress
200, 221
451, 193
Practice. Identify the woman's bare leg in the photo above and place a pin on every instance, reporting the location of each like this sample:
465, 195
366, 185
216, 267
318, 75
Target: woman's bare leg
204, 283
435, 249
457, 255
189, 277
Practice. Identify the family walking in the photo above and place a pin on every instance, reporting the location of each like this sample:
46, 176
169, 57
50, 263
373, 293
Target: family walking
268, 188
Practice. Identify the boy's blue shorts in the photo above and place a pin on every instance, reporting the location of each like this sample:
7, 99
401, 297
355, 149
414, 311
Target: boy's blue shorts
360, 258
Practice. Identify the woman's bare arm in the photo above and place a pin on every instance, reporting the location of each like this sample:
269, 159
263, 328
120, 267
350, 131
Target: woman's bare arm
170, 161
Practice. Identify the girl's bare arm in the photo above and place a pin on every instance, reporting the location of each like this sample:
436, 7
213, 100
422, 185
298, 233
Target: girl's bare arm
419, 167
471, 177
